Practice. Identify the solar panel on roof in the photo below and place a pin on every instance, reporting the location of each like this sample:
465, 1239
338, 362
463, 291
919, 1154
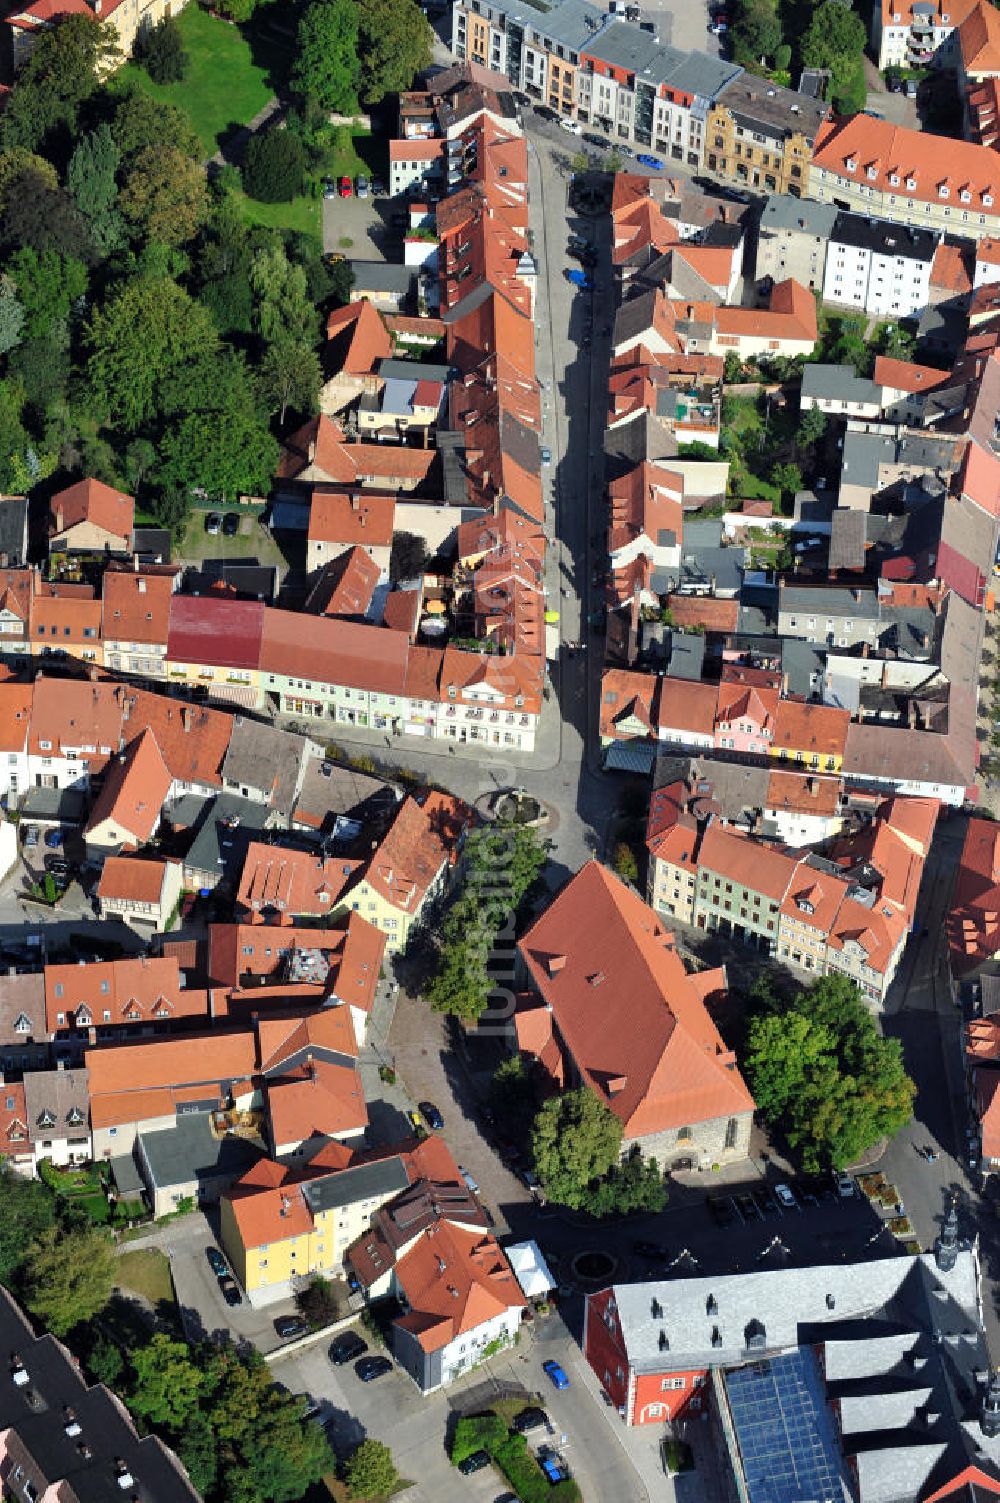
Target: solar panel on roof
784, 1433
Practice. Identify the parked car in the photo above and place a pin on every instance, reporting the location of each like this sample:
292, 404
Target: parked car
648, 160
230, 1291
720, 1208
654, 1251
786, 1198
474, 1462
345, 188
573, 126
528, 1419
911, 88
844, 1184
230, 524
361, 186
57, 866
346, 1348
470, 1182
546, 455
623, 150
378, 188
370, 1368
213, 524
431, 1115
765, 1200
555, 1374
290, 1326
53, 838
552, 1465
329, 188
217, 1262
30, 837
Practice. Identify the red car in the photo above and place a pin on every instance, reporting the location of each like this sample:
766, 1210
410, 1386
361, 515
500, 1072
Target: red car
346, 187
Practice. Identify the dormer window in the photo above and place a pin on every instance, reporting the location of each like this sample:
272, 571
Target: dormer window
987, 200
965, 196
911, 184
894, 179
46, 1118
851, 164
84, 1017
23, 1024
74, 1117
943, 190
872, 173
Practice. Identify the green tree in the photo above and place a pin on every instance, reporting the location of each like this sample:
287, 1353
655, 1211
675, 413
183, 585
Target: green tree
92, 181
409, 556
395, 43
239, 11
165, 195
11, 315
167, 1386
161, 51
371, 1471
757, 32
274, 166
284, 308
45, 218
787, 477
48, 285
141, 121
624, 862
14, 444
190, 450
732, 369
62, 72
812, 427
27, 1209
268, 1452
783, 57
68, 1276
512, 1090
821, 1070
198, 1451
148, 332
636, 1184
15, 161
327, 68
105, 1362
291, 376
575, 1140
835, 38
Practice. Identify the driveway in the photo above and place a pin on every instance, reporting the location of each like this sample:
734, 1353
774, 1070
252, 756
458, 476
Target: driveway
417, 1427
366, 224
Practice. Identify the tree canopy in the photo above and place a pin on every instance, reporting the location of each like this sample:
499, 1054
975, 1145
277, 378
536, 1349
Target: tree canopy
274, 166
67, 1276
575, 1140
161, 51
327, 67
835, 39
371, 1471
820, 1071
27, 1209
395, 43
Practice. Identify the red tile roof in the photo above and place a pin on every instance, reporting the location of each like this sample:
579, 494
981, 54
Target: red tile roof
335, 652
132, 879
972, 926
979, 39
818, 730
93, 501
454, 1280
703, 610
421, 839
13, 1118
222, 632
402, 612
149, 986
319, 1099
279, 879
345, 585
628, 696
903, 375
135, 1082
348, 517
930, 162
358, 339
754, 865
134, 791
136, 606
660, 1062
687, 705
803, 793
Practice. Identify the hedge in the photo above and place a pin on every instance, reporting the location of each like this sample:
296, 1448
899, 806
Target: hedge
509, 1452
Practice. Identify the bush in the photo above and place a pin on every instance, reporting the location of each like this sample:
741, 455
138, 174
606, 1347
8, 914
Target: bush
624, 862
274, 167
161, 52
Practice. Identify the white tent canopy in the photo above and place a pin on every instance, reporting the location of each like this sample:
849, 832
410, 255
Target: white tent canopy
530, 1269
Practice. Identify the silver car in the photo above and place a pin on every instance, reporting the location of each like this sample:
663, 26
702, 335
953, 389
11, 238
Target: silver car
361, 187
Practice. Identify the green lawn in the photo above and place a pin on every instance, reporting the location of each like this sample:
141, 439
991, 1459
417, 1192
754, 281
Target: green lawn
232, 75
302, 214
147, 1272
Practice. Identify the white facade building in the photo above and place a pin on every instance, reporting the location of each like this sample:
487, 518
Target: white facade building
880, 269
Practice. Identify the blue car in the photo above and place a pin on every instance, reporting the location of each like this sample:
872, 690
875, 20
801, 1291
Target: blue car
648, 161
555, 1374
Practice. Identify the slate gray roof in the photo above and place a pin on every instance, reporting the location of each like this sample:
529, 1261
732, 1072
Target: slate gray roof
22, 997
361, 1182
634, 317
329, 790
883, 238
838, 383
38, 1433
383, 276
266, 760
13, 531
413, 370
773, 110
787, 1301
623, 45
61, 1094
817, 600
847, 539
687, 655
701, 74
782, 212
191, 1151
226, 825
801, 662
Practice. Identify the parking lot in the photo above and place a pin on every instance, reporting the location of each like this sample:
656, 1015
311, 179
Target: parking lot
682, 24
362, 228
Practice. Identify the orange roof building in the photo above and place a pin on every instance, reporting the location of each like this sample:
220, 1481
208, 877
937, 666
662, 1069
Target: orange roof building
979, 42
412, 864
90, 517
279, 884
660, 1063
972, 926
126, 813
346, 585
356, 339
101, 998
340, 519
135, 608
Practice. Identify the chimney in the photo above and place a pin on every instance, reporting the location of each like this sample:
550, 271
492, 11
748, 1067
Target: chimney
59, 518
946, 1247
186, 718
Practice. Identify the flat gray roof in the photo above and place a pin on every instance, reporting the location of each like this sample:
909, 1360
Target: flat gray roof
782, 212
840, 383
382, 1177
191, 1151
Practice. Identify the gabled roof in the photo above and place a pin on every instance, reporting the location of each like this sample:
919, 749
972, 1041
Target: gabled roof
281, 879
357, 339
753, 864
627, 696
979, 40
345, 585
93, 501
223, 632
134, 791
421, 839
346, 517
929, 162
657, 1063
454, 1279
136, 606
817, 729
687, 705
972, 925
133, 879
